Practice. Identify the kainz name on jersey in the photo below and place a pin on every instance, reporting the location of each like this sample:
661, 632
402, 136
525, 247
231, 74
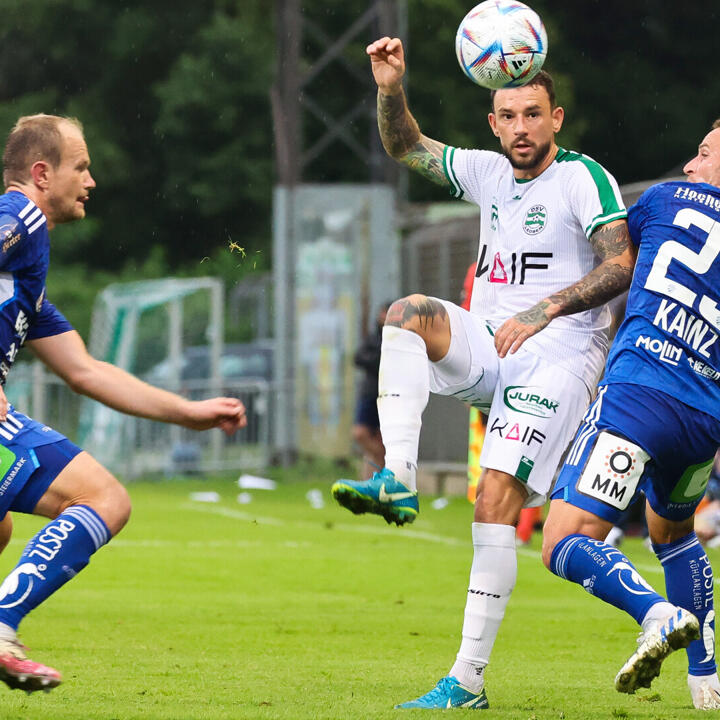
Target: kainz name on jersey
675, 319
512, 270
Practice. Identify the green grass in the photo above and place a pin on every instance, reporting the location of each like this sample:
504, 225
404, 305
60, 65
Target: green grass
278, 610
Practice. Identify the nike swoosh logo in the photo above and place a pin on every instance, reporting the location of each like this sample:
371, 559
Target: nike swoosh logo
392, 497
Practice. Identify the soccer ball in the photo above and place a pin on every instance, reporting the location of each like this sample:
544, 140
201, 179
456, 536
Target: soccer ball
501, 43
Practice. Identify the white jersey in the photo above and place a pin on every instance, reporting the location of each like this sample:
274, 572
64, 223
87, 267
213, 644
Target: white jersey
534, 242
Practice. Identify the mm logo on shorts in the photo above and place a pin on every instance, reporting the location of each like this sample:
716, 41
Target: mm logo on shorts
527, 400
613, 470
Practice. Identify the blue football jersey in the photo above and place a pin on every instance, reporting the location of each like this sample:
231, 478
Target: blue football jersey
669, 338
25, 312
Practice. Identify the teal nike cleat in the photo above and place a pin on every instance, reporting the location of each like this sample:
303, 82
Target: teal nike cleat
449, 693
382, 494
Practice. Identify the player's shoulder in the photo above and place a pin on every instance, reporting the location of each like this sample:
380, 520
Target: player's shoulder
574, 164
473, 156
19, 214
14, 202
673, 193
467, 169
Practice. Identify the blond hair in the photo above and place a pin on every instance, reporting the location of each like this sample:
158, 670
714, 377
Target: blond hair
34, 138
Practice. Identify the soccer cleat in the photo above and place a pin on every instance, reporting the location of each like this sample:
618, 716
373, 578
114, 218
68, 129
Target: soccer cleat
678, 631
705, 691
382, 494
18, 672
449, 693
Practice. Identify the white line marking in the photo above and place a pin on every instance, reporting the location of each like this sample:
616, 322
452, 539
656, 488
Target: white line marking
234, 514
398, 533
345, 527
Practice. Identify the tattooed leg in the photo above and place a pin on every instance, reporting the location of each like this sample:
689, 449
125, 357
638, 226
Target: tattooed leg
427, 318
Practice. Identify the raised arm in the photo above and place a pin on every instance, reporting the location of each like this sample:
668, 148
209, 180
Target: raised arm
399, 131
612, 276
66, 355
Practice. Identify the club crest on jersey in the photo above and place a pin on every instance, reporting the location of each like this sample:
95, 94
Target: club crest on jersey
535, 220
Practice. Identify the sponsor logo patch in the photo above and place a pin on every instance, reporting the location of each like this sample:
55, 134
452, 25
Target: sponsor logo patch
691, 485
524, 469
529, 401
524, 434
665, 351
613, 470
703, 369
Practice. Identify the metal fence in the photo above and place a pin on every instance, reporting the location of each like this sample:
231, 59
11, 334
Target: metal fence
144, 446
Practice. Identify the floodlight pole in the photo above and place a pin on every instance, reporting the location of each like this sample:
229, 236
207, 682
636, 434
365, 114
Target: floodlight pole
292, 99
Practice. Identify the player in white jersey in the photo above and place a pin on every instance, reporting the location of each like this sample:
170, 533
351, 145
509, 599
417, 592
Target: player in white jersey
554, 247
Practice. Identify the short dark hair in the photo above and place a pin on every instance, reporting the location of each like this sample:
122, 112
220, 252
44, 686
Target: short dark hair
34, 137
716, 124
543, 79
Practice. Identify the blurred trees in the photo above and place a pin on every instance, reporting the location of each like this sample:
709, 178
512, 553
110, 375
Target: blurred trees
175, 101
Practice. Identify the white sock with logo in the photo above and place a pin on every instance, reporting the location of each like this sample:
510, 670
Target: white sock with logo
403, 392
492, 579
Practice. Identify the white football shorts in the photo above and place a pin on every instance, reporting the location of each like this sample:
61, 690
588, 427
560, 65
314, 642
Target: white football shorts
533, 408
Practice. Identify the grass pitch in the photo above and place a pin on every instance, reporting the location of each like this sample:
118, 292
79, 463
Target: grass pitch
275, 609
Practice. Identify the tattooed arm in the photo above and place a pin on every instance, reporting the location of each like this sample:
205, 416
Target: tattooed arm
399, 131
612, 276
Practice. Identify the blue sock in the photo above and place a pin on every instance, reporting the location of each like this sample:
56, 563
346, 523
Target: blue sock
54, 556
605, 572
689, 584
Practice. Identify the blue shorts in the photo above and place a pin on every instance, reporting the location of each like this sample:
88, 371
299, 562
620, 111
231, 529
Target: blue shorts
366, 412
639, 440
32, 455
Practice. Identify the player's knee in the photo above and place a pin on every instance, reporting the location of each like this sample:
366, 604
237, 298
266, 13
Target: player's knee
499, 499
112, 504
663, 531
548, 546
416, 313
425, 316
403, 313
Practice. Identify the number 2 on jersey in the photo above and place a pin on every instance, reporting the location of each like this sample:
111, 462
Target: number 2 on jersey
699, 263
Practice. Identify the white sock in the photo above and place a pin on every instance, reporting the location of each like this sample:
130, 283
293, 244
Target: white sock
492, 579
659, 612
403, 392
705, 691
